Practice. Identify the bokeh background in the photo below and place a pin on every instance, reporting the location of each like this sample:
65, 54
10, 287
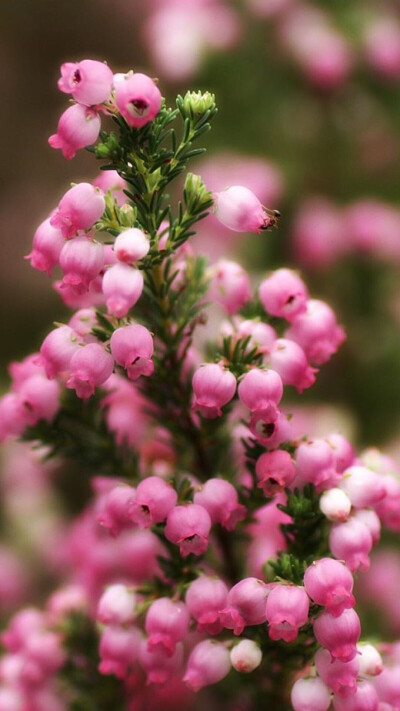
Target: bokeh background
309, 118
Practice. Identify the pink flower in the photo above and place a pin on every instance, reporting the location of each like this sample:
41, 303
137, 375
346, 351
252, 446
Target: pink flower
341, 677
77, 127
339, 634
363, 486
310, 695
158, 665
246, 656
188, 527
119, 650
246, 605
289, 360
11, 699
205, 597
114, 509
23, 625
89, 367
230, 286
351, 542
287, 610
284, 294
153, 501
342, 451
372, 522
329, 583
13, 416
78, 209
90, 82
208, 663
81, 260
261, 390
213, 387
275, 471
131, 245
382, 45
262, 335
132, 347
319, 234
57, 350
167, 623
239, 209
270, 427
138, 99
40, 398
82, 322
48, 242
387, 686
365, 699
220, 498
116, 605
317, 332
315, 464
122, 288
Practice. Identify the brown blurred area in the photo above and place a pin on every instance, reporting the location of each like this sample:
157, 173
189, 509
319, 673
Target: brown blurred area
36, 37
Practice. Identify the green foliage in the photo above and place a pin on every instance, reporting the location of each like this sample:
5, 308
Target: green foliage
79, 434
306, 536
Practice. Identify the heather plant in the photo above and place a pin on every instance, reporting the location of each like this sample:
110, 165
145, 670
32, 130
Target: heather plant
214, 560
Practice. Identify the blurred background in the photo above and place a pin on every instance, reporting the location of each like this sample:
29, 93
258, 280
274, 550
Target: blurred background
309, 118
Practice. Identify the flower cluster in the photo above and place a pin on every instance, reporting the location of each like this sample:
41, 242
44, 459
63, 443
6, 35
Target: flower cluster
217, 541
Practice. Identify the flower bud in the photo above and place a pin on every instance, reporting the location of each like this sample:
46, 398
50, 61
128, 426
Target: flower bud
196, 103
131, 245
246, 656
335, 505
369, 659
116, 606
310, 695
